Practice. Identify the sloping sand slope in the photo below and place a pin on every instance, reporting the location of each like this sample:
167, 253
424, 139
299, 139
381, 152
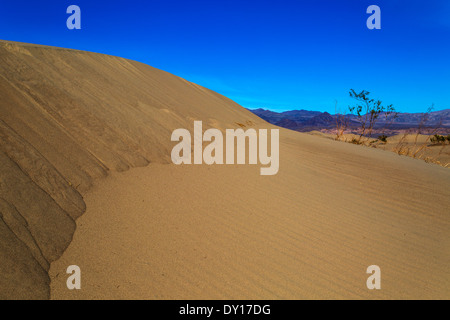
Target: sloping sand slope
66, 118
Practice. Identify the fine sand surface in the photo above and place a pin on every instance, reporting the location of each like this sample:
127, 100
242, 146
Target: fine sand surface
86, 179
67, 120
225, 232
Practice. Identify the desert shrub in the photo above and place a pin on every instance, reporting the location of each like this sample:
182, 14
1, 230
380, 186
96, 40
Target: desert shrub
368, 110
438, 139
383, 138
342, 122
356, 141
418, 149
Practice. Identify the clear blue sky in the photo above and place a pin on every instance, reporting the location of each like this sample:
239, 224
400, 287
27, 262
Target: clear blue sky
278, 54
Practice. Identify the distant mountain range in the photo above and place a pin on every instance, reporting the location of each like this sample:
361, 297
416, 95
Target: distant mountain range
304, 120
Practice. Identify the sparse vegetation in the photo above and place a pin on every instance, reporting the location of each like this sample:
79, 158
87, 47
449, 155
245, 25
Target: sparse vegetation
438, 139
403, 147
368, 111
415, 143
356, 141
421, 149
341, 123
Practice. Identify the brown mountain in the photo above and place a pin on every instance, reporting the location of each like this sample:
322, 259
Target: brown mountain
302, 120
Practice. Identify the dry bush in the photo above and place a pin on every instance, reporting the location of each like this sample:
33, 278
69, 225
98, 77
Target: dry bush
342, 123
368, 111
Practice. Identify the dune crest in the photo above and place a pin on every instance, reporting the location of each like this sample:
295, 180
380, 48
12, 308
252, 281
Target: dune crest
68, 118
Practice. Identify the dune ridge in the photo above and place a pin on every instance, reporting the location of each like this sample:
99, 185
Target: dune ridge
68, 118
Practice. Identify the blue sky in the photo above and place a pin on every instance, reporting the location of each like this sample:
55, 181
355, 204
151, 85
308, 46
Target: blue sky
279, 55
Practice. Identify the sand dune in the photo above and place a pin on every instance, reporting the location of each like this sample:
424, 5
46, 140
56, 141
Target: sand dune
225, 232
68, 118
73, 122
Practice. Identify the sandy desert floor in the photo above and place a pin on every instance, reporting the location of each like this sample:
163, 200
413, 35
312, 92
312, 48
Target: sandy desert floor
225, 232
